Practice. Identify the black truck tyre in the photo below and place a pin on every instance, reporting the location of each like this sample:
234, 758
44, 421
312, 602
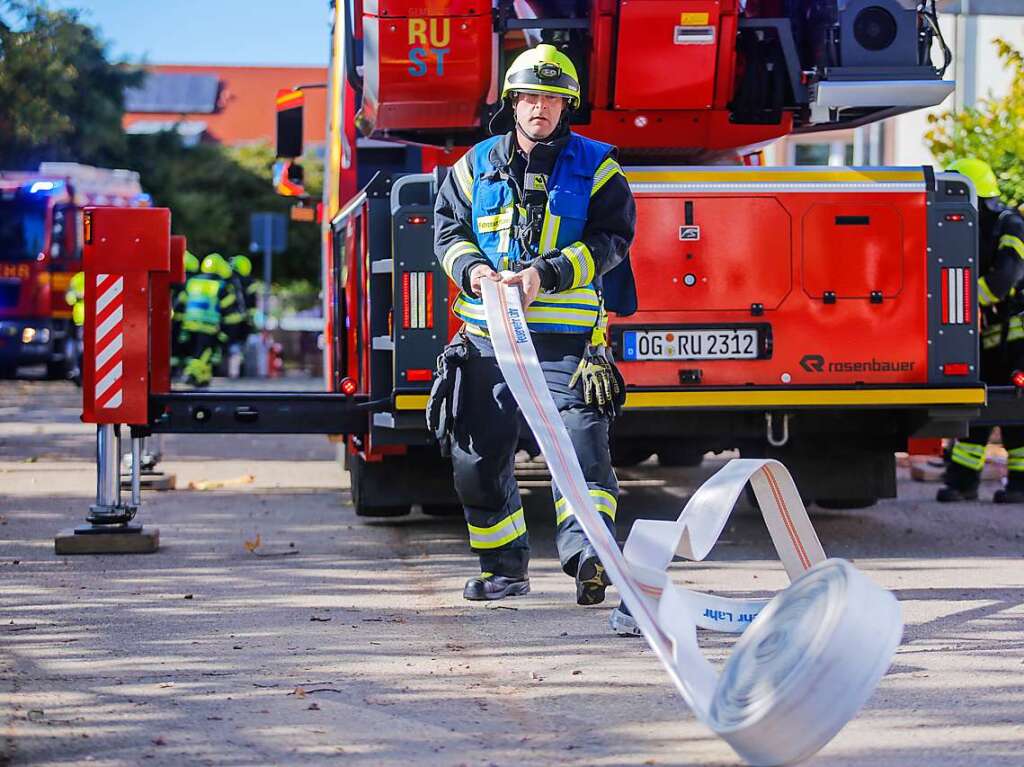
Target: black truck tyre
391, 486
680, 454
628, 452
834, 474
64, 366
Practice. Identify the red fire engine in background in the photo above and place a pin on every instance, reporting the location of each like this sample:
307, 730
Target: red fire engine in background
818, 315
41, 249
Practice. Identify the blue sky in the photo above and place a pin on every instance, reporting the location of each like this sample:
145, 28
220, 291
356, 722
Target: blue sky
210, 31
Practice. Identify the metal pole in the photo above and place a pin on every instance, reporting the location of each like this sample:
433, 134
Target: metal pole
108, 473
268, 251
136, 471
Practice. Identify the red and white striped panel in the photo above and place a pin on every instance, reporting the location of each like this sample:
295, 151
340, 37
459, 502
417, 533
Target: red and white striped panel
109, 346
417, 300
956, 296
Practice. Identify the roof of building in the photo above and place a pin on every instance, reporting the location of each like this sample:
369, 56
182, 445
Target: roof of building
242, 103
174, 92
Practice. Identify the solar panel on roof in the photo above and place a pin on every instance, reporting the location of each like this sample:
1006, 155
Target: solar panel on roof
174, 92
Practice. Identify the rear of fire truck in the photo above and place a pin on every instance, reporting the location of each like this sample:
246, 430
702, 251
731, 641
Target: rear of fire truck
40, 251
818, 315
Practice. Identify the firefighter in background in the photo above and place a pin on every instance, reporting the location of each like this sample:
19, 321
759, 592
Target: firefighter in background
178, 350
75, 298
555, 209
1001, 298
211, 312
247, 288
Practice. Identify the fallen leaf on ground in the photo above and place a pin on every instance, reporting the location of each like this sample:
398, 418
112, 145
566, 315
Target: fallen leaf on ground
214, 484
254, 544
299, 692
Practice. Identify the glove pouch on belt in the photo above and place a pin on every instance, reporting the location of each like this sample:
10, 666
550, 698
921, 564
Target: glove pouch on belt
808, 659
446, 392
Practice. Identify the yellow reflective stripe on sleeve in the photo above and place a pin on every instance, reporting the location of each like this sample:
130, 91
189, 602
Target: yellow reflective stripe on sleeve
605, 502
1015, 460
985, 295
466, 308
969, 455
1010, 241
605, 172
582, 264
496, 536
549, 232
456, 249
464, 177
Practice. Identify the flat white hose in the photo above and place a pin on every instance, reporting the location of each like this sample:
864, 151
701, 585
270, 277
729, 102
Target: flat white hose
807, 659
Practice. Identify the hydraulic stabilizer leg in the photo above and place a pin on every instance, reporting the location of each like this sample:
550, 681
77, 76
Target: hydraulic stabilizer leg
110, 529
151, 478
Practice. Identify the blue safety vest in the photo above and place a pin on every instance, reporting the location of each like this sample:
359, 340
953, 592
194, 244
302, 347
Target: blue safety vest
570, 311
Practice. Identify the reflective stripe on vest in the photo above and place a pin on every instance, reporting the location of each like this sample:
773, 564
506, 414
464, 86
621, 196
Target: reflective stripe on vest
570, 186
993, 334
201, 301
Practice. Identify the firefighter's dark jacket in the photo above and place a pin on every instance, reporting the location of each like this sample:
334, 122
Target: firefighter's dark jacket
611, 221
1000, 252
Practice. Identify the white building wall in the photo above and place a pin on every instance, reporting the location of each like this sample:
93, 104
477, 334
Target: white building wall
906, 132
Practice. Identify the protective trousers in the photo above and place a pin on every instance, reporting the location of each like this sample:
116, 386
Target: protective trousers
486, 437
967, 457
199, 352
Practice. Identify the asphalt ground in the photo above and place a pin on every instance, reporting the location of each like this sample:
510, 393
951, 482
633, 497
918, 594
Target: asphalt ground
275, 627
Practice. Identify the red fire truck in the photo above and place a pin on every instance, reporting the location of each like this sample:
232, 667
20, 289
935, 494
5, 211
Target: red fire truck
817, 315
41, 249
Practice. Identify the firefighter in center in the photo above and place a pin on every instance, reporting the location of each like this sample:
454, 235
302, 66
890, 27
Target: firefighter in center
546, 209
1001, 299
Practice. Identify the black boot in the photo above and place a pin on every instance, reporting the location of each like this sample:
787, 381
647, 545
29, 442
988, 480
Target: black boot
1008, 495
504, 574
591, 578
949, 494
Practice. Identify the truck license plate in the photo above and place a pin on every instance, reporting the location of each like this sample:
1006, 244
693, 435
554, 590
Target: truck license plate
690, 344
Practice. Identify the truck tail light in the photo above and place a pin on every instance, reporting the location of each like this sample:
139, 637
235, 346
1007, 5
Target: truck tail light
418, 375
348, 386
956, 369
417, 300
956, 296
1018, 378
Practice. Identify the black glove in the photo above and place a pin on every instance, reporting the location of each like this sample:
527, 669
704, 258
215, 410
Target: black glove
446, 392
603, 385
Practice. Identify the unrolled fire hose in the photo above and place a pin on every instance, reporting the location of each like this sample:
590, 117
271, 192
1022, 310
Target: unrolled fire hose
808, 658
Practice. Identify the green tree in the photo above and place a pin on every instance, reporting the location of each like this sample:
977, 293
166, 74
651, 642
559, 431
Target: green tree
60, 98
212, 190
991, 130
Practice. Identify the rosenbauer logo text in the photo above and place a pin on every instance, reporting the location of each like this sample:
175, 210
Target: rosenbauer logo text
816, 363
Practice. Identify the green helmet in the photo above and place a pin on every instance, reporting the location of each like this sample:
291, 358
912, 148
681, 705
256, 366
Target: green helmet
543, 69
215, 264
980, 173
191, 263
242, 265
